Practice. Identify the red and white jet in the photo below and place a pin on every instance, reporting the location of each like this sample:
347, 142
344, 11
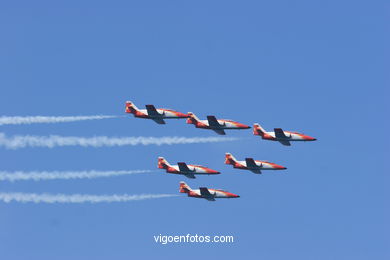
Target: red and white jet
206, 193
157, 115
217, 125
284, 137
254, 166
187, 170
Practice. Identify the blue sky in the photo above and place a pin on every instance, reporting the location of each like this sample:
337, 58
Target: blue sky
312, 66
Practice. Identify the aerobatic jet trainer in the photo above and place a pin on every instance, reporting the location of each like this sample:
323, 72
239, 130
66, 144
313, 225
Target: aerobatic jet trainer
284, 137
206, 193
187, 170
156, 114
217, 125
254, 166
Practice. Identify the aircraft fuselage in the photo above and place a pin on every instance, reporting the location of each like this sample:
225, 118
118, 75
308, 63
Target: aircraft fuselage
214, 194
162, 113
223, 124
290, 136
193, 169
260, 165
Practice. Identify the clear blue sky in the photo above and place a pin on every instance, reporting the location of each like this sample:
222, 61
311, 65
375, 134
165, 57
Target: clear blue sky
312, 66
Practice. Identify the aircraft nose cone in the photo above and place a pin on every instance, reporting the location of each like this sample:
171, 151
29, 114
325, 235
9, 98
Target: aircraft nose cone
314, 139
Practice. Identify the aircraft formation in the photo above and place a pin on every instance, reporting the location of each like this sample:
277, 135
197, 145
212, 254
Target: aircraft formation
219, 126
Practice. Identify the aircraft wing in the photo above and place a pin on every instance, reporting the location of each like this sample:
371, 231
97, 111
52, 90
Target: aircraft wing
250, 163
279, 133
215, 126
183, 167
190, 175
213, 122
252, 166
219, 131
159, 121
152, 111
284, 142
205, 192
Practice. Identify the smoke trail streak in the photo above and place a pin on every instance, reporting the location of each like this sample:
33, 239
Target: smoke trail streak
51, 141
62, 175
19, 120
76, 198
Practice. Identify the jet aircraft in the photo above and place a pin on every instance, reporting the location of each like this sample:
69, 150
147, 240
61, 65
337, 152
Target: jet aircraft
254, 166
217, 125
187, 170
283, 137
156, 114
206, 193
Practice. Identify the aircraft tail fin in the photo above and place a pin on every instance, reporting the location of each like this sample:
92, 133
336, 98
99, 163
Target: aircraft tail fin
192, 118
162, 163
131, 108
229, 159
258, 130
184, 188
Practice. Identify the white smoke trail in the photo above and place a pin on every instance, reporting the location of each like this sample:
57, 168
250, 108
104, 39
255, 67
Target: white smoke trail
62, 175
76, 198
19, 120
51, 141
